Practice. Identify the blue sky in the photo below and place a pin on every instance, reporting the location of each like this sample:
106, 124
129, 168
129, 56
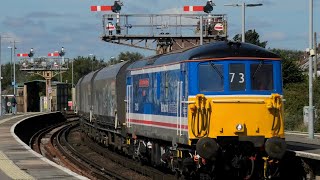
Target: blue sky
47, 25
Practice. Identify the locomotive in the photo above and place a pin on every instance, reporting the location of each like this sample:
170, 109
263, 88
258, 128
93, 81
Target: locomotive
211, 112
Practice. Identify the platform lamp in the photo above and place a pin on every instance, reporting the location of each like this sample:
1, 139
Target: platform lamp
91, 55
243, 5
11, 69
1, 37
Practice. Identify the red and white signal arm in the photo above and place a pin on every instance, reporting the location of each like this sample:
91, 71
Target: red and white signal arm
110, 27
218, 27
22, 55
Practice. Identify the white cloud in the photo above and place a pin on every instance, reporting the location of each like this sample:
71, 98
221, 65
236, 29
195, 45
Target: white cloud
275, 36
172, 11
9, 37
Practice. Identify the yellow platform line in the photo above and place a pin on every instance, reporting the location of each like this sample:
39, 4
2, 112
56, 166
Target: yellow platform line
10, 169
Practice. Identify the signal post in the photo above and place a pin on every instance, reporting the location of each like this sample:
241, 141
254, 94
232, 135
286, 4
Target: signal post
47, 68
163, 33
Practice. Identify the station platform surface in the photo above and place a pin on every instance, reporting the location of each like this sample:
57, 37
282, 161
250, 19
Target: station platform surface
19, 161
302, 145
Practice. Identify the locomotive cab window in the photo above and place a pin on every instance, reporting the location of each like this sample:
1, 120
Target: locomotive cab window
261, 76
210, 77
237, 81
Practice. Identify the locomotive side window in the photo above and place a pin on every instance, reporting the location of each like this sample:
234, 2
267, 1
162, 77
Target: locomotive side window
261, 76
210, 77
237, 79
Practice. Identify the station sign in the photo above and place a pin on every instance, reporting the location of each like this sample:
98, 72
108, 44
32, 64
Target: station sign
110, 27
218, 27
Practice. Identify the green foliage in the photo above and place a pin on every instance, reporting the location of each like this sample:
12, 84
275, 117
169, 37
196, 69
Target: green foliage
126, 56
81, 67
296, 95
251, 36
291, 72
316, 103
296, 99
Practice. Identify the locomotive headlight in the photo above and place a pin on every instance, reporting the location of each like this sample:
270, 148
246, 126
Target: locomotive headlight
239, 127
275, 147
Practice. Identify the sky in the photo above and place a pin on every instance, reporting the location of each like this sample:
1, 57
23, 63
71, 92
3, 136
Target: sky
47, 25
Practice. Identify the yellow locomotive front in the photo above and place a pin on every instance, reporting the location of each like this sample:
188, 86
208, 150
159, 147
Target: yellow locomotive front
238, 115
236, 112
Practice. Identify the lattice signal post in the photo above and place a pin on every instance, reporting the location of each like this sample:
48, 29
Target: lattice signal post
47, 67
169, 31
162, 32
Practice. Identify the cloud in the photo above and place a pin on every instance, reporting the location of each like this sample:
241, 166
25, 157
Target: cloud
9, 37
21, 22
46, 15
275, 36
267, 2
258, 23
76, 28
172, 11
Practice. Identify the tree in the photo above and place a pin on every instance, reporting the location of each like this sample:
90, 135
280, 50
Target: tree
81, 66
126, 56
130, 56
291, 72
252, 37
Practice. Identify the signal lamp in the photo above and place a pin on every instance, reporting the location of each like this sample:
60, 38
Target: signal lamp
116, 7
208, 7
62, 53
31, 53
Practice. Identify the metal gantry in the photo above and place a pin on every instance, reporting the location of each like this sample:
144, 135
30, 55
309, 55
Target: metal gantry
163, 32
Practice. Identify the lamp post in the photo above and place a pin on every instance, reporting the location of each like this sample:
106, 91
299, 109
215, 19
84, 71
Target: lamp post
310, 121
243, 5
72, 87
91, 55
1, 75
14, 68
11, 69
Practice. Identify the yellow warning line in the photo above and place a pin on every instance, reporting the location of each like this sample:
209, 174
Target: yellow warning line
10, 169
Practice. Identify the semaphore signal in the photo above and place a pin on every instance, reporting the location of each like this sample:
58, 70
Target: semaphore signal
53, 54
22, 55
192, 8
101, 8
116, 8
207, 8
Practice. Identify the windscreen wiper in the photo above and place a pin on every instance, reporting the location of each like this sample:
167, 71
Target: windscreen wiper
216, 69
258, 68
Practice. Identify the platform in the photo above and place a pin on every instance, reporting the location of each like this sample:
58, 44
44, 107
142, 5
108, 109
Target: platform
19, 161
302, 145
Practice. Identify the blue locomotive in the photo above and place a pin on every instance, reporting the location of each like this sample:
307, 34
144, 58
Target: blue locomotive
215, 110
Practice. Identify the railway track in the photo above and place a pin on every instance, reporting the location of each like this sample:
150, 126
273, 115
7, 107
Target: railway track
136, 166
62, 144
